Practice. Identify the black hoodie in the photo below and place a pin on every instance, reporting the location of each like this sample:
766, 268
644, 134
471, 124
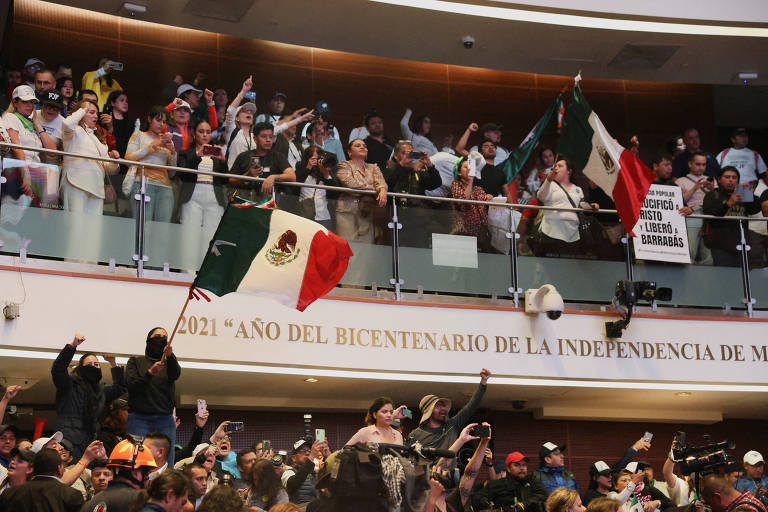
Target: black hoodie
148, 394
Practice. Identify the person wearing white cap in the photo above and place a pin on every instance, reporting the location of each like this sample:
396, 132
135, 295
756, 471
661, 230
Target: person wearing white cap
238, 123
601, 474
191, 95
101, 81
753, 476
24, 129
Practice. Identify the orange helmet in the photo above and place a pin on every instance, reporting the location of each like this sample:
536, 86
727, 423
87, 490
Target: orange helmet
127, 454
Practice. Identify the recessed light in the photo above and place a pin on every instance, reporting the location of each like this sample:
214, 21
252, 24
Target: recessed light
683, 394
310, 379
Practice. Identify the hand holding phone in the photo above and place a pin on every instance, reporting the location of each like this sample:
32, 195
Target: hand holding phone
209, 150
320, 434
202, 405
481, 431
648, 436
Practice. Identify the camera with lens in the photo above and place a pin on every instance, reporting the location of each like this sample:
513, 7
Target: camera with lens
629, 292
322, 109
700, 459
327, 160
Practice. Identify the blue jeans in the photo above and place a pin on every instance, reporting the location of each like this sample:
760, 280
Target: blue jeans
160, 205
143, 424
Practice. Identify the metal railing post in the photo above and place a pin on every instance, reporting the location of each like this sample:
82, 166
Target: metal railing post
744, 249
513, 236
2, 179
627, 241
141, 196
395, 226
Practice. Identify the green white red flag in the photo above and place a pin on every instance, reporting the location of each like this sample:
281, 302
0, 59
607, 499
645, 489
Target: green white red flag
615, 169
273, 254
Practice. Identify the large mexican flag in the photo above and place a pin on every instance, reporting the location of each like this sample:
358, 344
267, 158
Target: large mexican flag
273, 254
588, 145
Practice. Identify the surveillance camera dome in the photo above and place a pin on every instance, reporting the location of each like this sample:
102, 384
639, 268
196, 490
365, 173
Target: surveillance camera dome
468, 42
554, 315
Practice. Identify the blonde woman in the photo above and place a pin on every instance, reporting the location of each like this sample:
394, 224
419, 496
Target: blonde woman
564, 500
82, 181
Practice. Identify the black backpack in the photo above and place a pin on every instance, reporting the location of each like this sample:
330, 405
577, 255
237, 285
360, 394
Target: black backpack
356, 478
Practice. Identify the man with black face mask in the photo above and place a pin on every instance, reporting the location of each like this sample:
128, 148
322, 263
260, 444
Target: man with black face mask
81, 397
151, 389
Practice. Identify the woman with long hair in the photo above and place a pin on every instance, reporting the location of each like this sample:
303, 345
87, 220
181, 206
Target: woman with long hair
115, 119
265, 490
421, 134
19, 470
81, 397
470, 219
354, 212
315, 169
66, 86
153, 146
379, 420
564, 500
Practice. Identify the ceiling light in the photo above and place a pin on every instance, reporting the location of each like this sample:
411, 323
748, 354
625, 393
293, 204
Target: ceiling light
310, 379
683, 394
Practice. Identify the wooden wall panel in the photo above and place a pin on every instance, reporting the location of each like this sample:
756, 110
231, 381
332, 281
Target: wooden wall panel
351, 83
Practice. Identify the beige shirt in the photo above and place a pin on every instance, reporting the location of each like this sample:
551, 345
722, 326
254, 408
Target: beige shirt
372, 434
349, 175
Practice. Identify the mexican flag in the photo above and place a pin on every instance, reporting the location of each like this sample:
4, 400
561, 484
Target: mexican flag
273, 254
517, 158
588, 145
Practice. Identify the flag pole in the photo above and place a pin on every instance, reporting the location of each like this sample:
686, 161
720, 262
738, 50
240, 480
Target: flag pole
178, 320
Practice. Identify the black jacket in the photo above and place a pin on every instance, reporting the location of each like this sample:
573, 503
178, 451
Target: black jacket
41, 494
118, 497
405, 180
508, 491
189, 159
78, 404
148, 394
722, 233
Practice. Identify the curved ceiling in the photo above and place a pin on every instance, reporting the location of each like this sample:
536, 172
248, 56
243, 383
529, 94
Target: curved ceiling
423, 34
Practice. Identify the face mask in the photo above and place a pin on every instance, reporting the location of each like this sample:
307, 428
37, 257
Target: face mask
155, 347
90, 374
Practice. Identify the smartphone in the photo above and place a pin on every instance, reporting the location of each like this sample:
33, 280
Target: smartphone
407, 413
201, 407
481, 431
320, 434
250, 96
256, 162
266, 445
745, 191
415, 155
234, 426
209, 150
648, 436
117, 66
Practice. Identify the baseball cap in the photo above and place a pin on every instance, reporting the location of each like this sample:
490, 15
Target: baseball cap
548, 447
491, 127
40, 443
280, 94
12, 428
599, 468
118, 403
52, 98
753, 457
636, 467
199, 448
33, 60
515, 457
186, 88
183, 104
739, 131
27, 455
427, 405
299, 444
66, 444
24, 93
247, 106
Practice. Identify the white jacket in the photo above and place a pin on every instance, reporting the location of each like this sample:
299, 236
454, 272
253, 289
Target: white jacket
87, 175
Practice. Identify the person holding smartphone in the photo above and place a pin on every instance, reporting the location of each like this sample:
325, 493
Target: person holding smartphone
263, 163
723, 236
695, 185
379, 420
153, 146
202, 197
101, 80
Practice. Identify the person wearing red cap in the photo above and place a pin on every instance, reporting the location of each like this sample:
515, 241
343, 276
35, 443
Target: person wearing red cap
516, 489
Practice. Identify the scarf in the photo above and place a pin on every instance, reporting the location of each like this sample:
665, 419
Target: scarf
26, 122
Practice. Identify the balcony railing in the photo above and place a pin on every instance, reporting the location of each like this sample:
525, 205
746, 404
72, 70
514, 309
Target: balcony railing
414, 250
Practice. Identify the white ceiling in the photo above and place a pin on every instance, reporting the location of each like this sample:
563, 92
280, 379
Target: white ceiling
409, 32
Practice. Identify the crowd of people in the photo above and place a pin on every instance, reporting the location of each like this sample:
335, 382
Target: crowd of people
115, 449
201, 129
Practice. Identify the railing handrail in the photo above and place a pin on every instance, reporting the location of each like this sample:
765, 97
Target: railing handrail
129, 163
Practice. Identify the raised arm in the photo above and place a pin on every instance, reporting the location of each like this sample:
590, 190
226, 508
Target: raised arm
461, 145
59, 373
10, 393
468, 410
405, 129
473, 468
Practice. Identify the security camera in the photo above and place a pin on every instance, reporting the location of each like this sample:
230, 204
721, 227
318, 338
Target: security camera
544, 300
468, 42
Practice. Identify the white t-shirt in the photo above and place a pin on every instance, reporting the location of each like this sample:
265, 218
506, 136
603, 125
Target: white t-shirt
319, 197
501, 154
26, 137
747, 161
52, 128
679, 494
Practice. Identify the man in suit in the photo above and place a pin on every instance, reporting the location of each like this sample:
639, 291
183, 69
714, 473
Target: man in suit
45, 492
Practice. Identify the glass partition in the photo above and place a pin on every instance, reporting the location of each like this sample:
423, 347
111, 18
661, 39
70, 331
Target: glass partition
453, 249
37, 215
757, 238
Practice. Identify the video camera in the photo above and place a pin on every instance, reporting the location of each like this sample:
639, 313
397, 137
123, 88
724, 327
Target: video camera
700, 459
629, 292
